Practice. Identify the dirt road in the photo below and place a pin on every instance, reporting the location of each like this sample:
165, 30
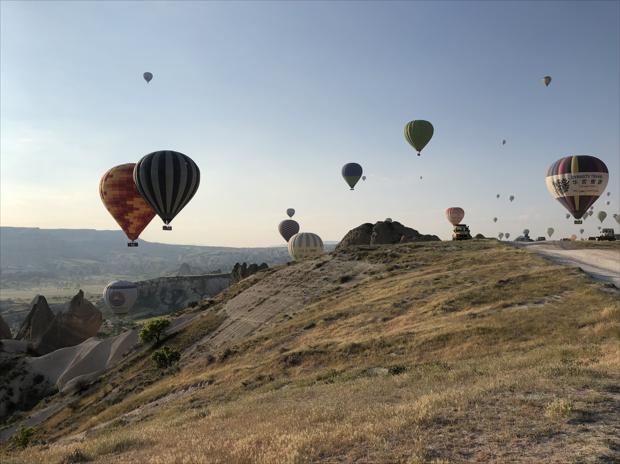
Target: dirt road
601, 264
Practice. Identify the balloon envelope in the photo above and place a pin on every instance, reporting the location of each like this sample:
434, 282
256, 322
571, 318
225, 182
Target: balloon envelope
121, 198
167, 180
120, 296
507, 235
601, 215
511, 197
418, 133
455, 215
290, 212
573, 237
526, 231
547, 81
494, 219
147, 76
305, 245
577, 182
351, 172
550, 231
288, 228
500, 235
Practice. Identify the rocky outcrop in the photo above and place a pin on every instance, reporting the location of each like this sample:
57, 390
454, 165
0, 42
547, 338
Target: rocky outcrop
383, 233
241, 271
168, 294
5, 330
80, 322
37, 322
47, 332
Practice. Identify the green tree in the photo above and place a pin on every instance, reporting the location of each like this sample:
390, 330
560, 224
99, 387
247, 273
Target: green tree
153, 330
165, 357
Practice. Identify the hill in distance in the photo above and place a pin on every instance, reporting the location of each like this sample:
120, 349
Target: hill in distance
414, 353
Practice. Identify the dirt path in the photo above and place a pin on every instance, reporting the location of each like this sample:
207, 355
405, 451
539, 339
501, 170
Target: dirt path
602, 265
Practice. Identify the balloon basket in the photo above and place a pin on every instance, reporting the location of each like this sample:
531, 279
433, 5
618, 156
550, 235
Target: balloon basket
166, 227
578, 221
132, 244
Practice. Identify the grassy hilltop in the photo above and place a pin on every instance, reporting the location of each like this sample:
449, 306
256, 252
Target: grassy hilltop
434, 352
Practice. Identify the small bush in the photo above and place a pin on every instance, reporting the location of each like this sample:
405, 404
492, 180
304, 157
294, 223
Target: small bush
165, 357
23, 437
153, 330
559, 408
397, 370
76, 456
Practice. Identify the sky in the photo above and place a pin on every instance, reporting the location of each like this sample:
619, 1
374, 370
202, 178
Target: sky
270, 99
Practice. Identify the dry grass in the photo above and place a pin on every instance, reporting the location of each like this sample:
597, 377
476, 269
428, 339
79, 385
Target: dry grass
440, 352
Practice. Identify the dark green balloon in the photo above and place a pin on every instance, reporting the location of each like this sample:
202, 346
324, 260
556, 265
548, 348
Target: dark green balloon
418, 133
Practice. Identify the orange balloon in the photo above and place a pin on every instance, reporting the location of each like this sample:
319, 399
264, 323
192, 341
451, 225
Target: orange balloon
121, 198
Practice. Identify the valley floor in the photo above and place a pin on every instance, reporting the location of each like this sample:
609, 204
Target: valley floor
416, 353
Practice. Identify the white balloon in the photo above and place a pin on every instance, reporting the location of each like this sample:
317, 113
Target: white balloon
120, 296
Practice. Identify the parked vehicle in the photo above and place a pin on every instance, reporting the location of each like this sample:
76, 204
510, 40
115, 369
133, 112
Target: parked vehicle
607, 235
461, 232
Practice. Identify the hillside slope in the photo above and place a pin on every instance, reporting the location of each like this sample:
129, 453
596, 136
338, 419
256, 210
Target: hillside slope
434, 352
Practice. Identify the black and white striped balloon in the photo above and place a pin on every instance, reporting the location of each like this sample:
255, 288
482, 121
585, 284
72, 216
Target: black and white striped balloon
305, 245
167, 180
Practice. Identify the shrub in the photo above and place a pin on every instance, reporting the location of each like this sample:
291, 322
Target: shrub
559, 408
166, 357
23, 436
153, 330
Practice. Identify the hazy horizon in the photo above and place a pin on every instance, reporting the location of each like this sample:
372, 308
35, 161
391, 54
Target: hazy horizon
270, 99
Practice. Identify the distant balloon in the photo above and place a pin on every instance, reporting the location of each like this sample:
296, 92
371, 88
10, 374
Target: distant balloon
581, 231
526, 232
363, 177
591, 212
577, 182
305, 245
547, 80
167, 180
550, 231
608, 193
497, 196
573, 237
455, 215
288, 228
420, 177
567, 215
121, 198
500, 235
617, 218
351, 173
601, 215
147, 76
507, 235
290, 212
599, 227
418, 133
494, 219
608, 203
120, 296
503, 142
511, 197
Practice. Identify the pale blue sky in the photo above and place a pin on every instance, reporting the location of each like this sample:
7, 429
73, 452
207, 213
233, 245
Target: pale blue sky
271, 99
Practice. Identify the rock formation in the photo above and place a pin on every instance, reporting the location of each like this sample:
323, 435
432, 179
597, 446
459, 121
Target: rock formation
241, 271
383, 233
47, 332
37, 322
5, 330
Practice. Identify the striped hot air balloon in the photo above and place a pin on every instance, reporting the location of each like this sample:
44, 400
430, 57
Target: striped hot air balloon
455, 215
305, 245
418, 133
121, 198
351, 172
167, 180
577, 182
120, 296
288, 228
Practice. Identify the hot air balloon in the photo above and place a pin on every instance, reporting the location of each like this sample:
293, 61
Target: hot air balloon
147, 76
120, 296
617, 218
573, 237
455, 215
123, 201
547, 80
288, 228
577, 182
167, 180
420, 177
363, 177
290, 213
494, 219
507, 235
305, 245
526, 232
601, 215
550, 231
608, 193
511, 197
500, 235
591, 212
503, 142
608, 203
418, 133
351, 173
599, 227
567, 215
581, 231
497, 196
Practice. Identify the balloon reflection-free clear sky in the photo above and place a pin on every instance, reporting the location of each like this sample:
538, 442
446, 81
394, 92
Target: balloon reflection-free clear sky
271, 99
